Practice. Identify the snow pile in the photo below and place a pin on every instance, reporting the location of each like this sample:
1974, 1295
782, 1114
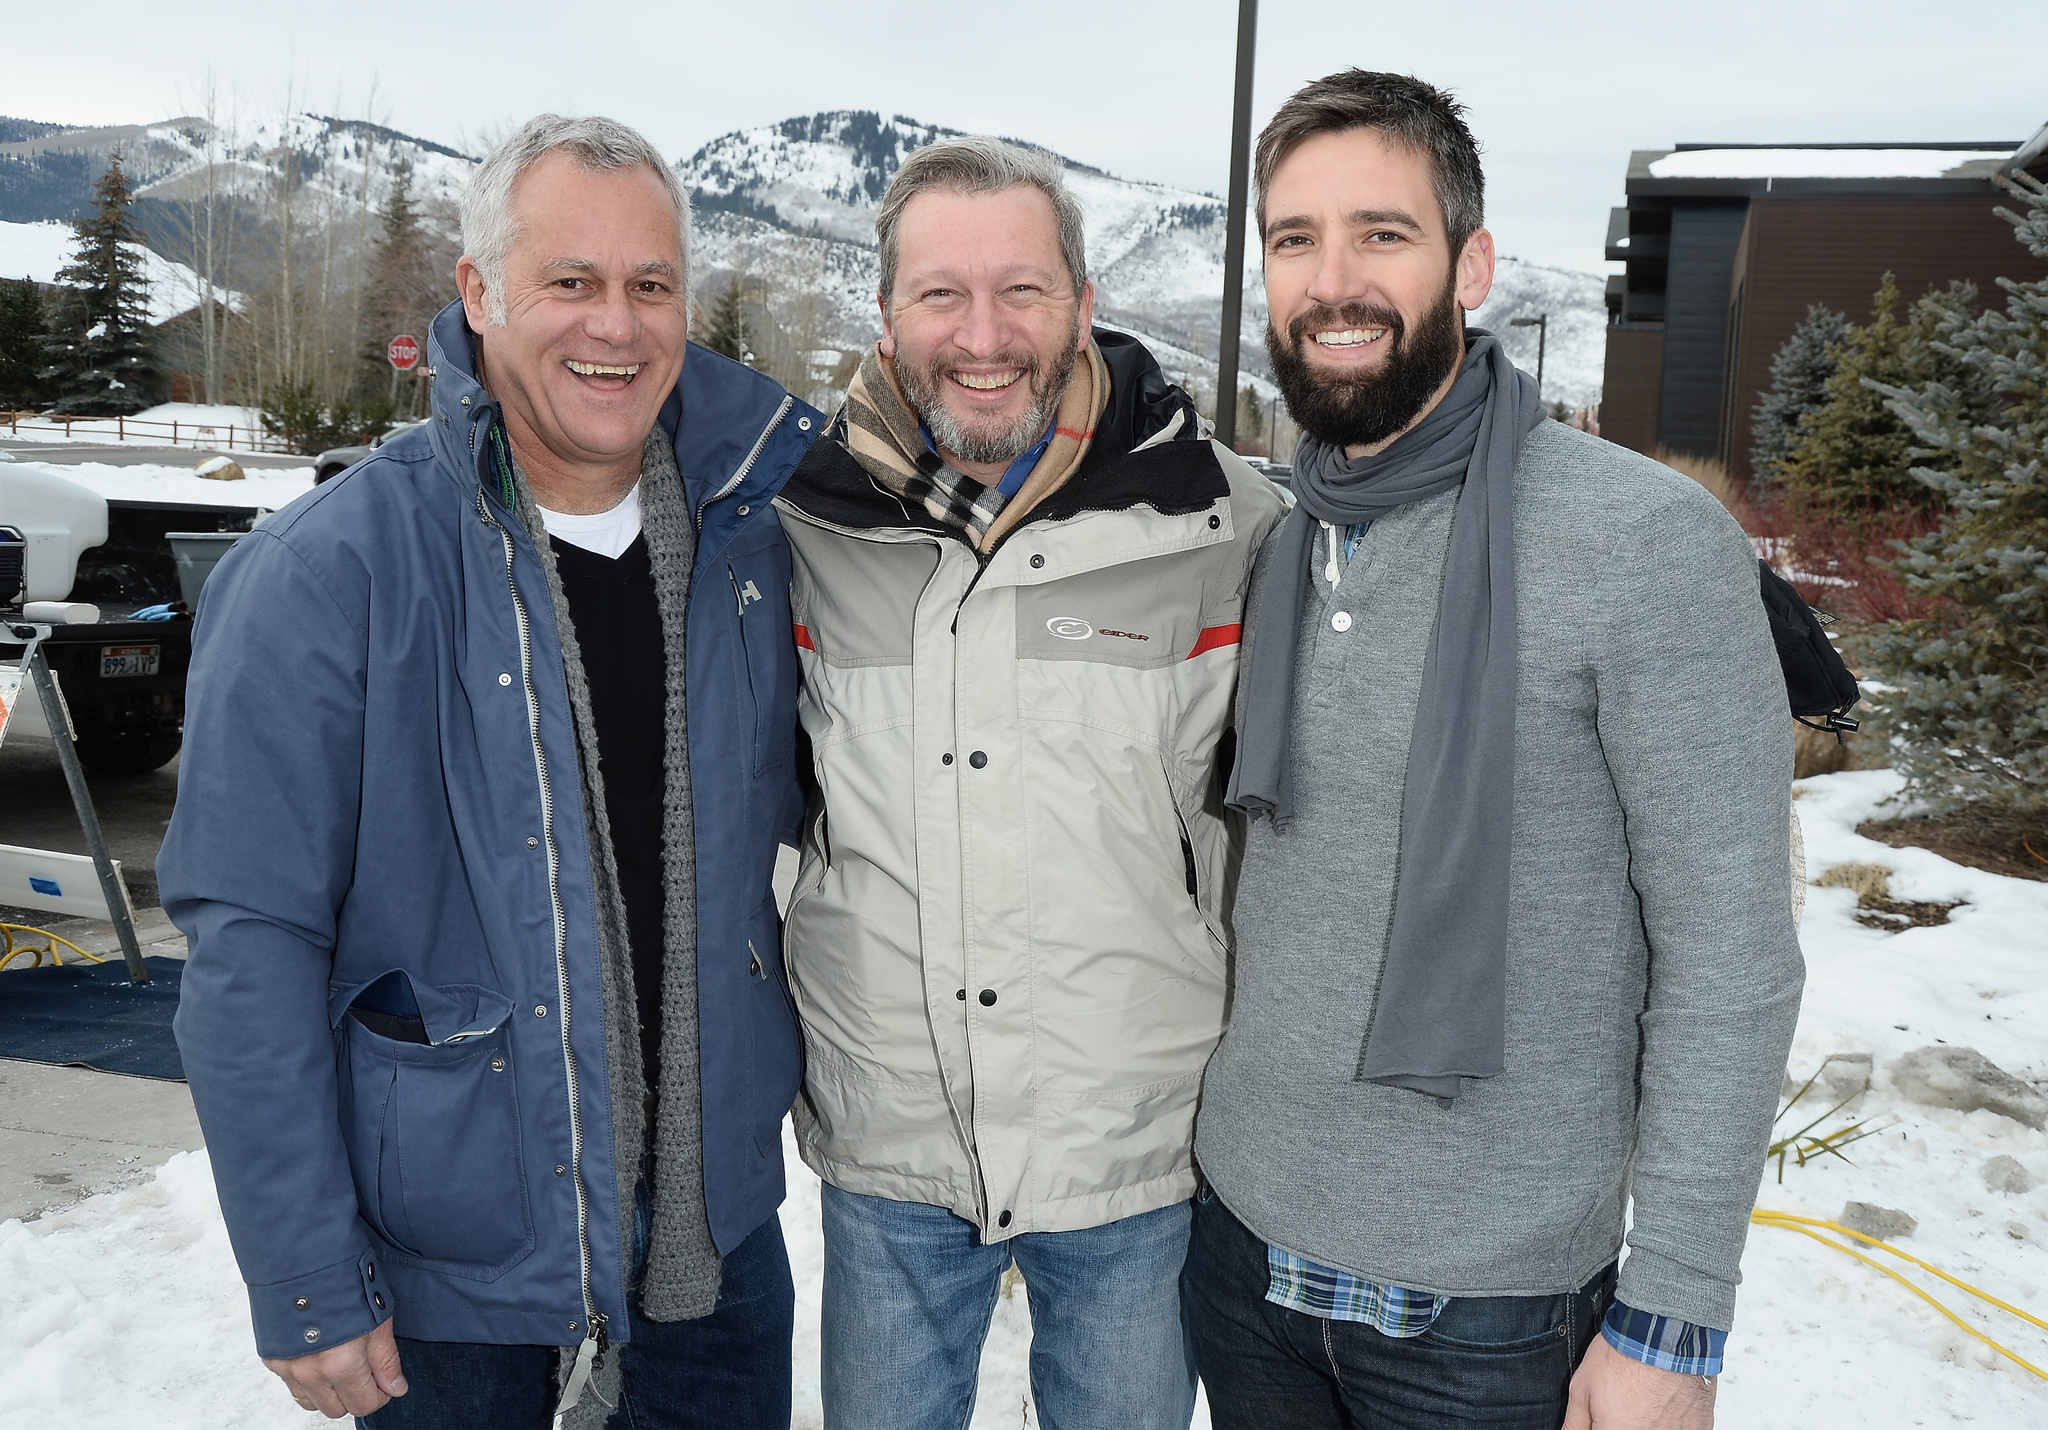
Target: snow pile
128, 1310
262, 487
1823, 1341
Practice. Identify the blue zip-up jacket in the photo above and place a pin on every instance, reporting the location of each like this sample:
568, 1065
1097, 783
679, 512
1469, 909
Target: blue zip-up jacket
379, 774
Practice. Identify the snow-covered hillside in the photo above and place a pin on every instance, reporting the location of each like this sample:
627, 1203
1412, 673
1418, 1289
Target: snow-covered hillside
793, 205
50, 174
39, 250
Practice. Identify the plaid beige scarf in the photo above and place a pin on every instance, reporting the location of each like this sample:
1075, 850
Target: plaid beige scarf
880, 429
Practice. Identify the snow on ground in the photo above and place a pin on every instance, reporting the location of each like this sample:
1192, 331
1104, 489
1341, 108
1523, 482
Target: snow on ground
216, 426
127, 1309
261, 487
1820, 1340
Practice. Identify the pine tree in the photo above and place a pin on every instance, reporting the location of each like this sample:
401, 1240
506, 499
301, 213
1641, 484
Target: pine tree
22, 329
406, 289
1970, 706
101, 360
1799, 382
727, 331
1851, 455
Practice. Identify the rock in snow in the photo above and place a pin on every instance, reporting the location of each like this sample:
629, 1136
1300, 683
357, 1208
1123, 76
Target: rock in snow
2005, 1174
1884, 1223
1966, 1080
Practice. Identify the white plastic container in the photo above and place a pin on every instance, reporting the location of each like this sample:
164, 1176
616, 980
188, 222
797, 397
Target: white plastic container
61, 520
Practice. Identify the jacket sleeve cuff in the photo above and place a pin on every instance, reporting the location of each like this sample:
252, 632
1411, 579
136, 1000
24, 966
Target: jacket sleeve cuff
321, 1309
1664, 1342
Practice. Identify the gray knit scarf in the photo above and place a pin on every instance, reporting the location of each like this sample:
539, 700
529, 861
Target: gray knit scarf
1441, 1010
683, 1269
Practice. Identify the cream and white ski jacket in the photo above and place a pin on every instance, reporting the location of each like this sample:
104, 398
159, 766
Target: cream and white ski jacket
1008, 942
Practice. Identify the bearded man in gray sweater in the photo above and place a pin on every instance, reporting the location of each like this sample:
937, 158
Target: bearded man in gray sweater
1515, 941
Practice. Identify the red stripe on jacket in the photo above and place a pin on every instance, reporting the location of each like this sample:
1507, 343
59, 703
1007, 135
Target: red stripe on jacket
1213, 637
803, 637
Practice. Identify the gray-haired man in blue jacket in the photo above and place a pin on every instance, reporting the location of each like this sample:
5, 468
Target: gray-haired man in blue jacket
489, 749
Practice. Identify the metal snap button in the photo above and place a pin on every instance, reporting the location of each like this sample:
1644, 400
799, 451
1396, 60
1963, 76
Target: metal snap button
1341, 621
945, 759
1215, 522
378, 1297
540, 1010
370, 1272
803, 424
560, 1170
1003, 1220
498, 1064
532, 842
312, 1335
988, 997
978, 759
745, 509
504, 678
1037, 561
302, 1304
573, 1325
961, 995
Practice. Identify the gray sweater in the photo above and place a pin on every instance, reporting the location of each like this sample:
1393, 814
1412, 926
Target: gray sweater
1653, 971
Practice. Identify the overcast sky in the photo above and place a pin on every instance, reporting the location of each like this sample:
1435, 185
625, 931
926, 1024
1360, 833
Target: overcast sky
1559, 93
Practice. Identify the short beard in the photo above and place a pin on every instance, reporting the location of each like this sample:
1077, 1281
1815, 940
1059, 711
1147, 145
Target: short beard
1365, 410
1011, 441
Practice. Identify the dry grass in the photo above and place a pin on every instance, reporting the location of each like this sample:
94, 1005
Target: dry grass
1712, 475
1867, 880
1875, 906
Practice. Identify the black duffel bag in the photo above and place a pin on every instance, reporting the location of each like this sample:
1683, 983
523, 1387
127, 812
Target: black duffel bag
1818, 685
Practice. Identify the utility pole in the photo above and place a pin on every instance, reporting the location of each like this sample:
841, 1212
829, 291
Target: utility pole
1541, 323
1233, 229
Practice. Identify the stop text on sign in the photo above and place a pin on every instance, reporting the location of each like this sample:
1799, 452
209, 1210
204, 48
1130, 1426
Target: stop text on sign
404, 352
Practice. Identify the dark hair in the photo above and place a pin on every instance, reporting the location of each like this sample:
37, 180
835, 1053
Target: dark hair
1417, 116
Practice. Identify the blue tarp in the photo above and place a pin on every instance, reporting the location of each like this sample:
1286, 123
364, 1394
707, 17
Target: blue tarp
90, 1015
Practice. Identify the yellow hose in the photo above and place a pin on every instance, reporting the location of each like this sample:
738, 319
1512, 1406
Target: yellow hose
8, 952
1804, 1226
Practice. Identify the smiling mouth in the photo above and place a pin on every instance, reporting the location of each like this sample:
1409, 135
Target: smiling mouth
1350, 337
986, 381
628, 371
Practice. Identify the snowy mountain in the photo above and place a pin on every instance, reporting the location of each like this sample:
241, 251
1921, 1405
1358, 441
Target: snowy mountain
790, 205
800, 197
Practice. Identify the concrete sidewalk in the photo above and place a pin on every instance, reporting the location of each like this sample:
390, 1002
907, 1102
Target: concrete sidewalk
68, 1133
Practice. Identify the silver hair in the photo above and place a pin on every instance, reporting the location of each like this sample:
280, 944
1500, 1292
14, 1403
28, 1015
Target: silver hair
594, 143
978, 165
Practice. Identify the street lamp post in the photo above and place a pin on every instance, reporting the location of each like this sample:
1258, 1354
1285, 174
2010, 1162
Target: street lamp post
1541, 323
1233, 228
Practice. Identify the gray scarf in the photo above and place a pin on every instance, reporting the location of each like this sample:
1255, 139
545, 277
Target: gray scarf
1442, 1005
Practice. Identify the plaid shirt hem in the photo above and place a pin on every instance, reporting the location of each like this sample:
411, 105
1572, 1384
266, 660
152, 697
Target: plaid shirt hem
1664, 1342
1334, 1295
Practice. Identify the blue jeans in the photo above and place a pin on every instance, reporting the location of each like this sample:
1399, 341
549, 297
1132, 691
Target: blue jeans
909, 1290
1493, 1361
728, 1371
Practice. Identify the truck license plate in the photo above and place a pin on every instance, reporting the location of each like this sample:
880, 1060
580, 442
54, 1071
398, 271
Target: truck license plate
116, 660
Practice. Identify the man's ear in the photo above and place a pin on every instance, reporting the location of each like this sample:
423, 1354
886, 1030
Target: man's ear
1087, 319
888, 342
470, 280
1475, 270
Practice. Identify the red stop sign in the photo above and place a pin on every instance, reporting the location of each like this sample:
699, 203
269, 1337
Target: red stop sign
404, 352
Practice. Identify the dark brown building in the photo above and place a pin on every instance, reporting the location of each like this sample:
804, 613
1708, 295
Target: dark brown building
1728, 244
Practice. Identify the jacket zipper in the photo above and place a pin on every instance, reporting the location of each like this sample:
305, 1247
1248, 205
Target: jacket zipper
594, 1324
747, 466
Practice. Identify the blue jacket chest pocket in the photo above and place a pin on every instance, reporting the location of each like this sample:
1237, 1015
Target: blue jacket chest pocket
760, 593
